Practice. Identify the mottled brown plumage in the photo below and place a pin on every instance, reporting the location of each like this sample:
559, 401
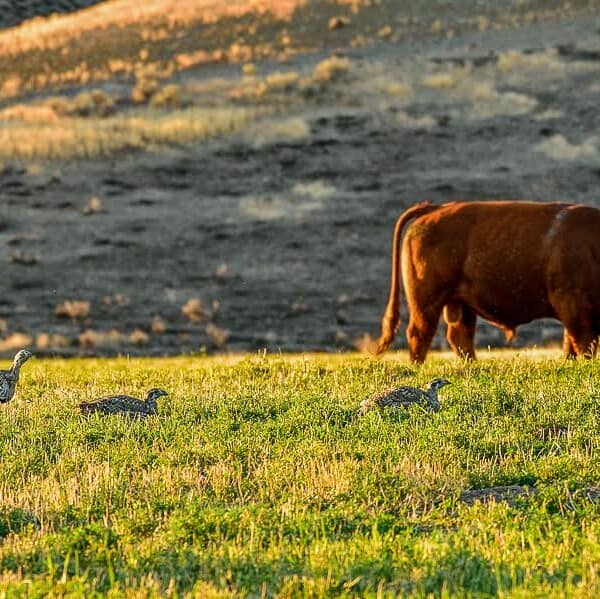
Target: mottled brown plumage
124, 404
9, 378
406, 396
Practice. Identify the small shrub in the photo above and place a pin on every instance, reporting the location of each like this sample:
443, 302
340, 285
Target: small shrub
76, 310
92, 103
144, 89
331, 69
167, 97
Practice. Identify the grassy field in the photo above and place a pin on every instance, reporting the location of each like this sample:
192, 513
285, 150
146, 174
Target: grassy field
258, 479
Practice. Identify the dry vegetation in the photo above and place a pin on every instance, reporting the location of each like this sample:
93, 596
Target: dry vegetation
93, 123
68, 138
121, 39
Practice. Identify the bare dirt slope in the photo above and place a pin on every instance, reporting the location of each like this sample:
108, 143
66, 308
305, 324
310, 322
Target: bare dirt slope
282, 231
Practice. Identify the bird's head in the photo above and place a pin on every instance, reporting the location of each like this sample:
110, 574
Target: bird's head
21, 357
154, 394
364, 407
437, 384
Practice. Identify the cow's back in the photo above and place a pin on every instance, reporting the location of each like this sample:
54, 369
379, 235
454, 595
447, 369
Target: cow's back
493, 256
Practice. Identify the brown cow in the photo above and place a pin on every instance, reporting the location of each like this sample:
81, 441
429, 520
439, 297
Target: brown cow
508, 262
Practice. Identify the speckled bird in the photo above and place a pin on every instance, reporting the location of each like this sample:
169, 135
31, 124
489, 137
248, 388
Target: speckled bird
9, 378
405, 396
124, 405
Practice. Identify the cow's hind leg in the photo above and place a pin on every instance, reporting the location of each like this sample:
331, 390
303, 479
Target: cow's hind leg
421, 329
461, 321
583, 339
576, 313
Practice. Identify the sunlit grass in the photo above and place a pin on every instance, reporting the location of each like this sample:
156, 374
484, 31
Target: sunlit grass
258, 477
70, 137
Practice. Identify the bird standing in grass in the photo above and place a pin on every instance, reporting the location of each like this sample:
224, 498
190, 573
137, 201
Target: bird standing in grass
9, 378
405, 396
124, 404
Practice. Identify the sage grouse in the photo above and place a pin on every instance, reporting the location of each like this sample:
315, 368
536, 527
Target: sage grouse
124, 404
9, 378
405, 396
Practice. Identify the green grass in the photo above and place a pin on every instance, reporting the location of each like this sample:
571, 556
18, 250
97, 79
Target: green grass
258, 479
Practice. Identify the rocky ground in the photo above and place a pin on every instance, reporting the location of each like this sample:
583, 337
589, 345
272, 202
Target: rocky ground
279, 236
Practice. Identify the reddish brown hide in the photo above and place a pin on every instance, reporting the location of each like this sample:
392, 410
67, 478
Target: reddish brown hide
508, 262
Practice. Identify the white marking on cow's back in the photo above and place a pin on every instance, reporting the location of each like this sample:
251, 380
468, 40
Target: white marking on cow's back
556, 223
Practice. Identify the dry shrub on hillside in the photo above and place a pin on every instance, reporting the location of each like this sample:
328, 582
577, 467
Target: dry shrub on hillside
559, 148
15, 341
24, 258
86, 104
144, 89
338, 22
92, 339
76, 310
221, 271
139, 337
282, 81
331, 69
94, 206
119, 300
292, 129
70, 138
158, 325
30, 113
95, 102
396, 89
196, 311
51, 340
218, 335
448, 79
168, 96
273, 87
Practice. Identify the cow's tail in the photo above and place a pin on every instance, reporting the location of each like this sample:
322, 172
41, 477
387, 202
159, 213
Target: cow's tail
391, 317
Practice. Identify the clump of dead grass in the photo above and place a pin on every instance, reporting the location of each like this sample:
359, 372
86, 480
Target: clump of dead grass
91, 339
144, 89
24, 258
52, 341
139, 337
119, 300
158, 325
93, 206
559, 148
292, 129
331, 69
169, 96
449, 79
15, 341
69, 138
196, 311
218, 335
75, 310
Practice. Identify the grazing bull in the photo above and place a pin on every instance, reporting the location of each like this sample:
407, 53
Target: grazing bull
508, 262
